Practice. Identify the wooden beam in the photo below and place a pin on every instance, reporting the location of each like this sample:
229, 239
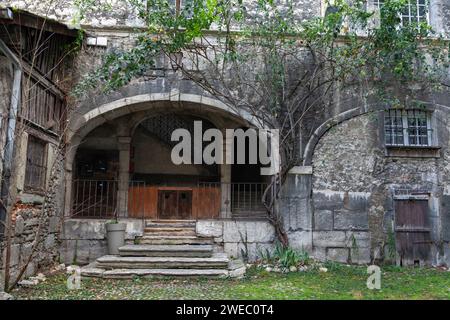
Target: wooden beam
48, 84
10, 55
22, 65
27, 19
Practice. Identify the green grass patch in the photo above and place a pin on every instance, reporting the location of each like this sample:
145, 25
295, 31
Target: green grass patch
340, 282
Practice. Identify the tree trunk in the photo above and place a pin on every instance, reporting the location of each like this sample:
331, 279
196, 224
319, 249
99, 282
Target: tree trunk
270, 198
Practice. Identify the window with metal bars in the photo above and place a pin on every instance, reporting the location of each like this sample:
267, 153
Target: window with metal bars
177, 6
36, 165
415, 11
407, 128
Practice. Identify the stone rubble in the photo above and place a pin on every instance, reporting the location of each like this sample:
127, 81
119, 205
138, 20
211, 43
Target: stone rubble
5, 296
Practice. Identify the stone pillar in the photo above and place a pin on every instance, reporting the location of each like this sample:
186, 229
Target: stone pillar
296, 208
68, 178
225, 179
68, 198
124, 144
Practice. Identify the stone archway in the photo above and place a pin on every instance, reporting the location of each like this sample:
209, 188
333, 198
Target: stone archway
135, 109
161, 189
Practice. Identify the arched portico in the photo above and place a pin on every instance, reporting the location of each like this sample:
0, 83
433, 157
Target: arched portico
125, 117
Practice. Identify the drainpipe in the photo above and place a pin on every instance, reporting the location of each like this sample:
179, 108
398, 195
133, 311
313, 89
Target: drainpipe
10, 137
11, 126
9, 152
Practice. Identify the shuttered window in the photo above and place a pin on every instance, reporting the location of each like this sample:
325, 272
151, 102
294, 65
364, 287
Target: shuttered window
36, 169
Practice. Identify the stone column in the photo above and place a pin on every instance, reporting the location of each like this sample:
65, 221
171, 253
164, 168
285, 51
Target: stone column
124, 144
68, 178
225, 179
68, 197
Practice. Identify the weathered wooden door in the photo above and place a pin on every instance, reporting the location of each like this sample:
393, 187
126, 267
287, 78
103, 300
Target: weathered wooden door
184, 204
174, 204
412, 231
145, 202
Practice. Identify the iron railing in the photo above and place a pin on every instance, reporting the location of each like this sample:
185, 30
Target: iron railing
94, 198
247, 197
98, 199
244, 198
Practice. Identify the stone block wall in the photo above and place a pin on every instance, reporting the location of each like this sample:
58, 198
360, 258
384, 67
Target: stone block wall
239, 237
295, 207
84, 240
341, 227
28, 221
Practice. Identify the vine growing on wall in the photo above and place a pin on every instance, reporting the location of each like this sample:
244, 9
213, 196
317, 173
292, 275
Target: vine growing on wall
262, 58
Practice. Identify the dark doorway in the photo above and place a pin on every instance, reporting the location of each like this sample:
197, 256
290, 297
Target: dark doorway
412, 231
174, 204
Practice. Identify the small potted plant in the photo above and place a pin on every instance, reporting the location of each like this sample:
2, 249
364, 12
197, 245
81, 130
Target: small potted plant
115, 234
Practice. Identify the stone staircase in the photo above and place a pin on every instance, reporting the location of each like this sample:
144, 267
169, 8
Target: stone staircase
168, 248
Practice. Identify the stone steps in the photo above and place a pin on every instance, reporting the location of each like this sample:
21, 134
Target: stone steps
166, 250
170, 233
190, 225
170, 221
154, 273
151, 239
163, 228
168, 229
217, 261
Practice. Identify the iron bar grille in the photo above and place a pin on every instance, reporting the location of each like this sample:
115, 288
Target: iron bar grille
407, 128
244, 198
415, 11
94, 199
98, 199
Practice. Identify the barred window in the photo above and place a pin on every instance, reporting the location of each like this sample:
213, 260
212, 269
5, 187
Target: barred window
36, 169
415, 11
177, 6
407, 128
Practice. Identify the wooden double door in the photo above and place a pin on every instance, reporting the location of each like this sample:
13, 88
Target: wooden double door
175, 204
160, 202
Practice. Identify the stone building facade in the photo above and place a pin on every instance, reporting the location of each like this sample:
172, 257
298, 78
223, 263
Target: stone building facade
349, 200
33, 110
